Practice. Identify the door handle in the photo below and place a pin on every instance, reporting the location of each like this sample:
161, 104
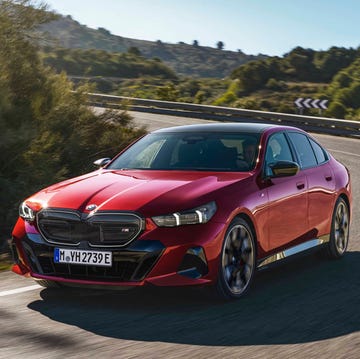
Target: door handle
300, 185
328, 178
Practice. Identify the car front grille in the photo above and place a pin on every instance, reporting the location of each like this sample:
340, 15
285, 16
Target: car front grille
101, 229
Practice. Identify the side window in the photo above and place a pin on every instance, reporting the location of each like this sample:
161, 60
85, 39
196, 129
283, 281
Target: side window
321, 155
303, 149
277, 149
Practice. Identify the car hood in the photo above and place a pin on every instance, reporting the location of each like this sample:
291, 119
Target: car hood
146, 192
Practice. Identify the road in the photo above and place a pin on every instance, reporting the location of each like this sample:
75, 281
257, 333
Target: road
308, 308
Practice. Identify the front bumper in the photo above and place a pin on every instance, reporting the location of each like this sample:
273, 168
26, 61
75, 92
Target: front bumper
178, 256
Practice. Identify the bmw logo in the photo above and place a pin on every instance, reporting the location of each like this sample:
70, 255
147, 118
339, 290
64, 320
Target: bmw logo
91, 207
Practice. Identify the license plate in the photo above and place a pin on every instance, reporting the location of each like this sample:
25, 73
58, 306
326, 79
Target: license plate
78, 256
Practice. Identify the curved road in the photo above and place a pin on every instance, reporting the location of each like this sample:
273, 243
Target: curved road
308, 308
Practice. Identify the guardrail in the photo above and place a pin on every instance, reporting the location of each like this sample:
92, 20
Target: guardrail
310, 123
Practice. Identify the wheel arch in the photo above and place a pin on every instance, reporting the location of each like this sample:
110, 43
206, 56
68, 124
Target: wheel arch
250, 222
347, 201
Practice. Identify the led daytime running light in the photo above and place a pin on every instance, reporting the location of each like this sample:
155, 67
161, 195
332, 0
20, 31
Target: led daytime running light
27, 210
197, 215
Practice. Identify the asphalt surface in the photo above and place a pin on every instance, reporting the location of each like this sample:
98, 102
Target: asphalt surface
307, 308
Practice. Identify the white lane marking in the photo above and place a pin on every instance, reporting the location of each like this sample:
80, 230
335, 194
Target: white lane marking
345, 153
19, 290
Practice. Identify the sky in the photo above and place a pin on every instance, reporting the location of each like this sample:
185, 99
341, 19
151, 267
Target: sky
271, 27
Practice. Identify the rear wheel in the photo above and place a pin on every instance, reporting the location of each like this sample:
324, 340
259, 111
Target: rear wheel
339, 235
237, 261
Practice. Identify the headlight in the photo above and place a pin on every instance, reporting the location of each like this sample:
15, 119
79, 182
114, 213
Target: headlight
197, 215
28, 210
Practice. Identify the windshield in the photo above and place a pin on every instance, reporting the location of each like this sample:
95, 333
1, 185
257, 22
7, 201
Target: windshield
191, 151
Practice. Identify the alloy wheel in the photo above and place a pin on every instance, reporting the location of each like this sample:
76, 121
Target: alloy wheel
341, 227
238, 259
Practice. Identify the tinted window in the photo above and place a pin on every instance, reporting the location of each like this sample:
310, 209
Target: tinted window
320, 154
303, 149
277, 149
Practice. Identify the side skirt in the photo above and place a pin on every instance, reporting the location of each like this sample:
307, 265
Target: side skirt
313, 243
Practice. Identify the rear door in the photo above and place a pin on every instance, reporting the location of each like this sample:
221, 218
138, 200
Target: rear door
314, 162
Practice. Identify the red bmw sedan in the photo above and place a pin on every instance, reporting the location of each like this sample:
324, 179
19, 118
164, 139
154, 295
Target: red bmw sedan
188, 205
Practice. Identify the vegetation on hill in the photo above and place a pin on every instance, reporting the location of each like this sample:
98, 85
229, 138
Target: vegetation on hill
344, 92
274, 83
93, 62
262, 83
184, 59
47, 133
254, 82
184, 89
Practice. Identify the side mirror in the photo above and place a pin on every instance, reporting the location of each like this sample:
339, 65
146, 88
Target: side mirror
102, 162
283, 169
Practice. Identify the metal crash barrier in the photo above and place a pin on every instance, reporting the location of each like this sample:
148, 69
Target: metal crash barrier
228, 114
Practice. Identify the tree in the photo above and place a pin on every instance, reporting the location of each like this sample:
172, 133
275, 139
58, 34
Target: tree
252, 76
220, 45
333, 60
336, 110
104, 31
300, 61
133, 50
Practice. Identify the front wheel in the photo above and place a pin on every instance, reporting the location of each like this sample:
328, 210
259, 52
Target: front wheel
237, 260
339, 235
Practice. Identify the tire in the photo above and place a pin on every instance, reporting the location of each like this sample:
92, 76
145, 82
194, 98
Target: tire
339, 234
48, 283
237, 260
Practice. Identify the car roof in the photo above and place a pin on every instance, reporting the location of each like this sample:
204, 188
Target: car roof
223, 127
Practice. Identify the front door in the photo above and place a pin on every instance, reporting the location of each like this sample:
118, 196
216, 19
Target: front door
288, 201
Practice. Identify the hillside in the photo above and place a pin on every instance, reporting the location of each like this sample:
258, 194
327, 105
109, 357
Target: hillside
274, 83
184, 59
192, 73
78, 62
